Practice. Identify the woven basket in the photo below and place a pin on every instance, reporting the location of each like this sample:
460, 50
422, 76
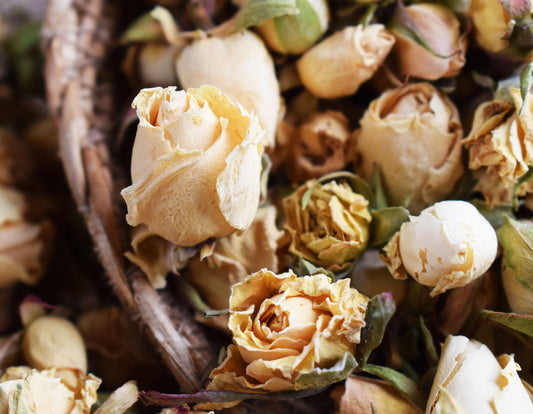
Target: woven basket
83, 93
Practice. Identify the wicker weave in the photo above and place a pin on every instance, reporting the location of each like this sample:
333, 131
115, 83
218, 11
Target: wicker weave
77, 39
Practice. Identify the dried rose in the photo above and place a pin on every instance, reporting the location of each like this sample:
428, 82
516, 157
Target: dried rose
339, 64
470, 379
242, 68
412, 136
295, 33
439, 26
195, 167
235, 257
360, 395
25, 390
447, 246
500, 146
332, 229
24, 246
491, 24
290, 333
317, 146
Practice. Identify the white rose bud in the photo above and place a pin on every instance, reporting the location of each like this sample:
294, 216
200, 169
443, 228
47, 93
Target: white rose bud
339, 64
472, 380
242, 68
195, 167
447, 246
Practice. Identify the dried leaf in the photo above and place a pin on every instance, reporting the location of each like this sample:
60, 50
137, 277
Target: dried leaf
514, 321
431, 352
120, 400
402, 383
325, 377
385, 223
380, 310
516, 239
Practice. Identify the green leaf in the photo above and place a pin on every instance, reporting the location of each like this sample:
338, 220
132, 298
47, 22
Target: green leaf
380, 310
516, 239
366, 19
399, 381
514, 321
431, 352
495, 215
305, 267
320, 378
254, 13
266, 167
377, 188
526, 79
465, 188
526, 177
385, 223
144, 29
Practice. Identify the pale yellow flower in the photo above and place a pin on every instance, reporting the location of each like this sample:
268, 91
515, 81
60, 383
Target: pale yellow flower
412, 135
500, 146
242, 68
491, 23
333, 228
288, 331
25, 390
473, 380
195, 166
340, 63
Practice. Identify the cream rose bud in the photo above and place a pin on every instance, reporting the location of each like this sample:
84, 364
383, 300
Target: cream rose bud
447, 246
24, 246
491, 23
472, 380
195, 166
412, 135
339, 64
242, 68
439, 26
290, 333
295, 33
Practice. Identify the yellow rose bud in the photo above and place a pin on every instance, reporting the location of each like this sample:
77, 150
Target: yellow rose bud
288, 331
235, 257
332, 229
196, 165
24, 390
242, 68
24, 246
440, 28
339, 64
412, 135
317, 146
293, 34
472, 380
156, 64
500, 146
491, 23
447, 246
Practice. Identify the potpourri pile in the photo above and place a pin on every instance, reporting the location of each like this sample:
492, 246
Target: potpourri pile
340, 190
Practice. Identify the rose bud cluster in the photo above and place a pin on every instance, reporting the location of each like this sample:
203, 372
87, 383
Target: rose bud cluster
447, 246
